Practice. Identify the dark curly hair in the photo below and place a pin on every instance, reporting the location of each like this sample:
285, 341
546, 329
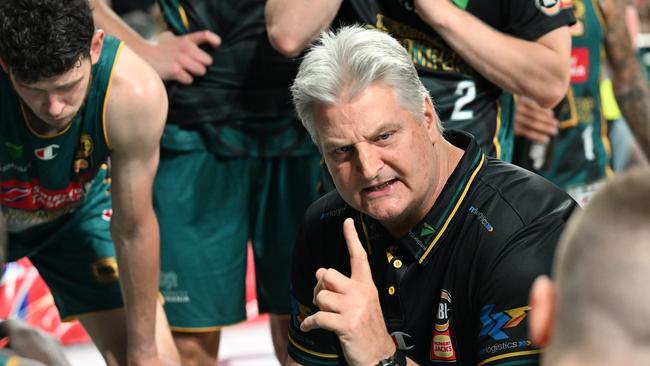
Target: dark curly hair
44, 38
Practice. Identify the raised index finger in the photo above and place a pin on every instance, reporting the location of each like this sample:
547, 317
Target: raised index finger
359, 266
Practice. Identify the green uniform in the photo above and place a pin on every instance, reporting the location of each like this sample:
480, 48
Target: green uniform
54, 194
235, 165
579, 158
7, 360
463, 98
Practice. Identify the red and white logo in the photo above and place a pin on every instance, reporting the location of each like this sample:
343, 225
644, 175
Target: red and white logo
47, 152
579, 65
106, 214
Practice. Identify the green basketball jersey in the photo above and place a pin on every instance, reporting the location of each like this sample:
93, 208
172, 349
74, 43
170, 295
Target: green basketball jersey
242, 105
581, 151
247, 79
44, 178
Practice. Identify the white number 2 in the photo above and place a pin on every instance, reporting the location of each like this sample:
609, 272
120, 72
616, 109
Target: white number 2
467, 90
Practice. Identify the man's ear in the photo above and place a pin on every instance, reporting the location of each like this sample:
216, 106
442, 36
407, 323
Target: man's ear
96, 45
431, 120
541, 317
4, 66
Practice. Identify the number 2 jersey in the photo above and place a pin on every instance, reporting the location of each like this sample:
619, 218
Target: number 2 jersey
463, 99
454, 290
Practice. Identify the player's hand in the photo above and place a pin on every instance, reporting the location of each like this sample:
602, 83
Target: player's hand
179, 57
350, 307
32, 343
533, 122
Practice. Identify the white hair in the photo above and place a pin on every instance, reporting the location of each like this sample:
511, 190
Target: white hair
343, 64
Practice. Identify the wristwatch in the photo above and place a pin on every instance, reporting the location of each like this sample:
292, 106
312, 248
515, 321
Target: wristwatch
397, 359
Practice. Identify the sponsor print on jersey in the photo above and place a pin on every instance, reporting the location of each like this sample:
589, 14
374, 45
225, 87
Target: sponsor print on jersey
442, 345
402, 340
426, 50
32, 196
15, 151
579, 65
480, 216
47, 152
494, 324
552, 7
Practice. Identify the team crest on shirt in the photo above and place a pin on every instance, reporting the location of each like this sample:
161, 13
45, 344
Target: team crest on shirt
442, 345
84, 149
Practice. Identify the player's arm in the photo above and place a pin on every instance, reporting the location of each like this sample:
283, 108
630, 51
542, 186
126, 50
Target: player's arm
630, 86
135, 117
538, 69
173, 57
292, 24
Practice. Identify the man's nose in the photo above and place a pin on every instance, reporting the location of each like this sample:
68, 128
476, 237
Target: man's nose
369, 161
55, 105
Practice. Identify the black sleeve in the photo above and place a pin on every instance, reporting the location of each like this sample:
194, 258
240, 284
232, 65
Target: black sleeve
531, 19
317, 347
504, 289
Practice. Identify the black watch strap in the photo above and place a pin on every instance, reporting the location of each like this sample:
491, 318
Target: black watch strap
397, 359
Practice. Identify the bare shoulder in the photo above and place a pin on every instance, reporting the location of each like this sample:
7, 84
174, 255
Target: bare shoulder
137, 104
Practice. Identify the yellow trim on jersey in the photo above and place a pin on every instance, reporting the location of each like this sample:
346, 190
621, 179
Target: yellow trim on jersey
495, 140
29, 127
599, 14
573, 112
197, 330
13, 361
183, 15
314, 353
108, 94
453, 212
607, 145
508, 355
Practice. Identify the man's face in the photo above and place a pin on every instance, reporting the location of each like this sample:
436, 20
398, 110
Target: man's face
56, 100
380, 156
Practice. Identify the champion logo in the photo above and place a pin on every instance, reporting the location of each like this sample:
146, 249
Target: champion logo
47, 152
106, 214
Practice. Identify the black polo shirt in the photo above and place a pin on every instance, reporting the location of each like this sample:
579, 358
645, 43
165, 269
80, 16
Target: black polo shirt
454, 290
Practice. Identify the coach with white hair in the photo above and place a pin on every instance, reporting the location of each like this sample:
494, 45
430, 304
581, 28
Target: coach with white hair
426, 251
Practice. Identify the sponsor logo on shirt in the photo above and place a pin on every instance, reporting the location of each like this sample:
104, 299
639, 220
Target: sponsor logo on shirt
442, 346
401, 339
47, 152
495, 323
503, 346
332, 213
15, 151
579, 64
552, 7
13, 194
480, 216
